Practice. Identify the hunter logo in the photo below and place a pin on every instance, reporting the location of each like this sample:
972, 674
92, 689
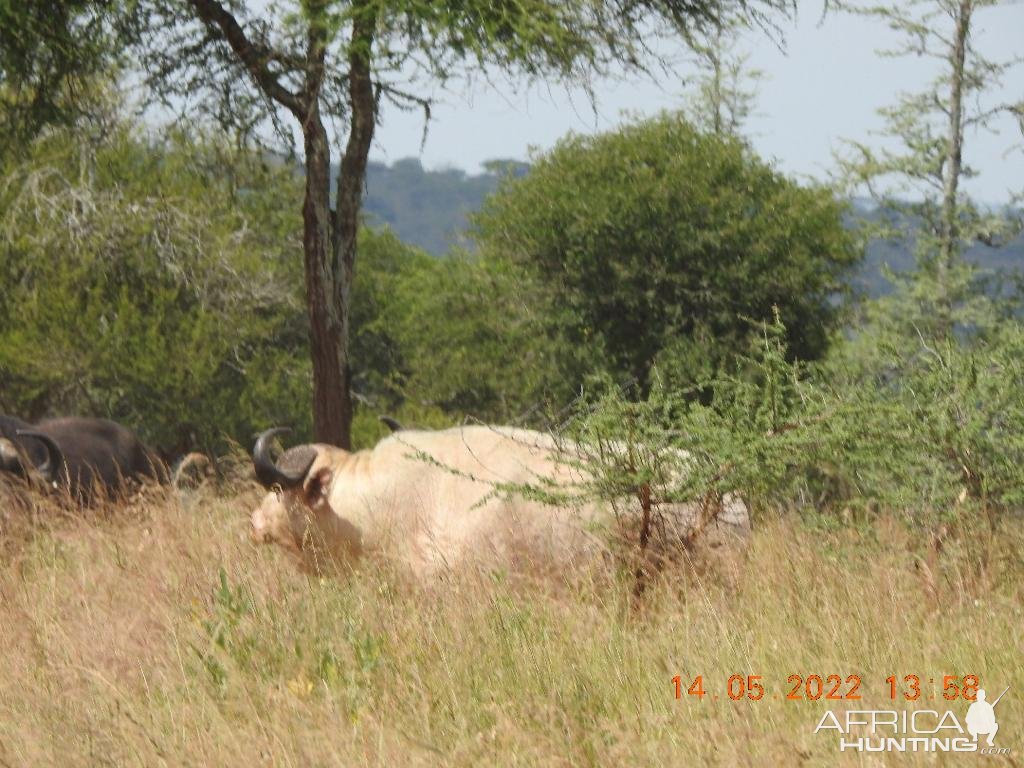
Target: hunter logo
981, 717
921, 730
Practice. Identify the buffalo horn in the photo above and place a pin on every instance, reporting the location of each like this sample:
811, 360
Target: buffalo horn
54, 458
267, 471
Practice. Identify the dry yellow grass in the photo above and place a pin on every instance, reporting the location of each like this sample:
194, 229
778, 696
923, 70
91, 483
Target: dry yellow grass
162, 637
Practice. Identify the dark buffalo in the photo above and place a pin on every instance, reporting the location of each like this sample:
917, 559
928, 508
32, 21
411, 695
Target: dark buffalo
89, 455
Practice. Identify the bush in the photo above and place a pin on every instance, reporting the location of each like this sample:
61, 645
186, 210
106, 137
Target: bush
465, 340
660, 244
159, 283
939, 447
155, 283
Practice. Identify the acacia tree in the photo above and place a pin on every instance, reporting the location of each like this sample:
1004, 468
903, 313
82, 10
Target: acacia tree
922, 179
328, 65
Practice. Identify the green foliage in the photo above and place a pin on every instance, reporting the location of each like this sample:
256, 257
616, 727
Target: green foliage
928, 433
157, 283
917, 178
931, 424
467, 339
51, 56
377, 350
391, 341
568, 286
154, 283
938, 443
684, 448
660, 243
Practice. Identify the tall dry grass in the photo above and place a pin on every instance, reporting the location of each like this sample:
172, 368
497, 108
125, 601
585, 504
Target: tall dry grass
161, 636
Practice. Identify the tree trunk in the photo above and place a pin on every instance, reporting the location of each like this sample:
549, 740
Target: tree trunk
953, 166
351, 181
329, 239
717, 82
327, 289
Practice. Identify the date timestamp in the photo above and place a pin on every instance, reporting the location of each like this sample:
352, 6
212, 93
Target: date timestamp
827, 687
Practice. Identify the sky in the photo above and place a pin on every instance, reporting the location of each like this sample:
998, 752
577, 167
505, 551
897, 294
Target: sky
825, 86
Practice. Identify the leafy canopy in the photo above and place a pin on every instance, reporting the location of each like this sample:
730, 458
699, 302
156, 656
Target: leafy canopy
661, 244
51, 56
174, 310
413, 45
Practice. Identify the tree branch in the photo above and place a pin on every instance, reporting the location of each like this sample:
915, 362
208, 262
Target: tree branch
254, 57
363, 116
316, 53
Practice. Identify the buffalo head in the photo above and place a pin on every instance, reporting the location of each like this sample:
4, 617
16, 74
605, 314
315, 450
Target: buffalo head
28, 453
296, 513
19, 454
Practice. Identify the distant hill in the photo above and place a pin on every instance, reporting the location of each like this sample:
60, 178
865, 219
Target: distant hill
897, 256
429, 209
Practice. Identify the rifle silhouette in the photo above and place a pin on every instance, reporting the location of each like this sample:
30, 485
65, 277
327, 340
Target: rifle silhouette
1000, 696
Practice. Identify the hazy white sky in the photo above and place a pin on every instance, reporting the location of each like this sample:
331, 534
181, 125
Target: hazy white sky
825, 87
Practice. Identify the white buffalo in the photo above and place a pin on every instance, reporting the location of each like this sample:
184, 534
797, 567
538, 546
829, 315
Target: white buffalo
436, 501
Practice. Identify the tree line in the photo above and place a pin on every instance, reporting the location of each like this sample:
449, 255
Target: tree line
122, 307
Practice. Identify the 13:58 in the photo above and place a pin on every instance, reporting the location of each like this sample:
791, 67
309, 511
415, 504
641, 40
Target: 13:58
953, 687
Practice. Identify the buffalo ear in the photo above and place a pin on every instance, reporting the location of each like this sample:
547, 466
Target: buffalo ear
318, 485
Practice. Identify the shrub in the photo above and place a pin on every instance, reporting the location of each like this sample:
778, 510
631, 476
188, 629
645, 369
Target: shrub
659, 244
154, 283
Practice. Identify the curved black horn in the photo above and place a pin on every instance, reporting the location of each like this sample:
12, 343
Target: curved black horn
393, 424
54, 458
267, 472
